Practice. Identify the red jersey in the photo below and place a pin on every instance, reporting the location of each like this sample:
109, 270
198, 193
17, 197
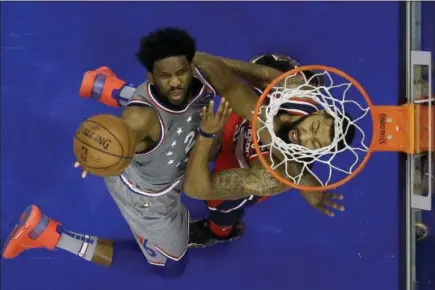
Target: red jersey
237, 149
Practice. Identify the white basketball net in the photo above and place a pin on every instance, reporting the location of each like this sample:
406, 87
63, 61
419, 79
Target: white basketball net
335, 106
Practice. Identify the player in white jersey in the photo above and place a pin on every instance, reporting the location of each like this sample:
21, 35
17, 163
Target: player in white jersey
164, 112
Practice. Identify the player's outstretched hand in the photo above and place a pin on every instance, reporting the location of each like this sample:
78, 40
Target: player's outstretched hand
84, 172
324, 201
213, 122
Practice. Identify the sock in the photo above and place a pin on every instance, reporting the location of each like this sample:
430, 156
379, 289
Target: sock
125, 95
78, 244
220, 231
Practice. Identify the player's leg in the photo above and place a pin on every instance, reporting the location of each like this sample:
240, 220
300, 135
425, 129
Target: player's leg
166, 251
224, 224
160, 225
36, 230
225, 219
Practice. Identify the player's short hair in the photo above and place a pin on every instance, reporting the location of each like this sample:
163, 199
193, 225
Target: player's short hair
348, 128
164, 43
282, 65
285, 64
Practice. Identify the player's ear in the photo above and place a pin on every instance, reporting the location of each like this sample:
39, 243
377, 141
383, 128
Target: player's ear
150, 78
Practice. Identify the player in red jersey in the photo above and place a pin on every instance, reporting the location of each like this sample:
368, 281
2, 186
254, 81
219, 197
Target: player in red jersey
239, 180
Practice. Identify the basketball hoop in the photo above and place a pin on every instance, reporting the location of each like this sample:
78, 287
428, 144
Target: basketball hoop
406, 128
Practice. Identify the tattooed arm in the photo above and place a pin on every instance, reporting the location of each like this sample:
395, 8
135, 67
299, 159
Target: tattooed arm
240, 95
243, 182
228, 184
242, 99
256, 74
234, 183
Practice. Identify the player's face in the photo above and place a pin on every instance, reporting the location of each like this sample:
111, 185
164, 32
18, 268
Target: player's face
312, 132
173, 76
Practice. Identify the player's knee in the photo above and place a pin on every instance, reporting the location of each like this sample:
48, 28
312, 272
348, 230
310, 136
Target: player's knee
172, 268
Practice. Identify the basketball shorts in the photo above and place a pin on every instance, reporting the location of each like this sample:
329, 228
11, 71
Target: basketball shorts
159, 223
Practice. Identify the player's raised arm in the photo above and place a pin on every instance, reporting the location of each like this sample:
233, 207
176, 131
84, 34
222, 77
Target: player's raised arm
238, 183
256, 74
241, 182
229, 184
241, 96
138, 118
197, 176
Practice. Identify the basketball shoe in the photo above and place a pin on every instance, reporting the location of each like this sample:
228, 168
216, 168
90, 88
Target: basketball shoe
201, 236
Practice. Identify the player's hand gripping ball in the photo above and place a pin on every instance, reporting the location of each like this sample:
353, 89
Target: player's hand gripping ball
104, 145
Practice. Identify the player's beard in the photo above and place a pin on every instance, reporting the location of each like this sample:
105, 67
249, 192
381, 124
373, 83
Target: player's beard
284, 128
164, 100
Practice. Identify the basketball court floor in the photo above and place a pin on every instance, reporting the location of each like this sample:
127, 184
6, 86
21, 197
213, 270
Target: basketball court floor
46, 47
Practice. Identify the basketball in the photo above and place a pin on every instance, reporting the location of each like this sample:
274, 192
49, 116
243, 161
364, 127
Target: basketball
104, 145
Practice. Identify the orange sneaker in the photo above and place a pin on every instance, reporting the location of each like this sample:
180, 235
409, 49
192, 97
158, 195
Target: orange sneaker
35, 230
102, 85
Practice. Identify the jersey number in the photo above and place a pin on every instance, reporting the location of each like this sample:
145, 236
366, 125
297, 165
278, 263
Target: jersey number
144, 243
189, 141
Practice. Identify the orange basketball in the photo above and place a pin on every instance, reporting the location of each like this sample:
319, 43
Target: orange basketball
104, 145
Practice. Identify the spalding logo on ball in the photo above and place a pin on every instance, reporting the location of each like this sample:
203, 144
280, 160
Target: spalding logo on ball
92, 133
104, 145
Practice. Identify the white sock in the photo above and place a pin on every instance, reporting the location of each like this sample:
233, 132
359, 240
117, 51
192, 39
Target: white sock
78, 244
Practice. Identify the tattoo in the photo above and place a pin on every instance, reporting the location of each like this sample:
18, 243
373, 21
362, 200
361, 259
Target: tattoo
262, 181
238, 183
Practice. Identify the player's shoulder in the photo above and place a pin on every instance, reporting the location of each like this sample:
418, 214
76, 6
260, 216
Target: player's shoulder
141, 91
138, 113
139, 107
143, 96
142, 119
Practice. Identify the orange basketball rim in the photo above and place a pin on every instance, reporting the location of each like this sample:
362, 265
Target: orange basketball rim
404, 128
